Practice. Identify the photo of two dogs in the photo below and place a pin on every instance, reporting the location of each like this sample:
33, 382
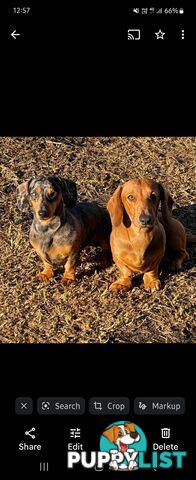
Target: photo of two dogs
136, 225
95, 236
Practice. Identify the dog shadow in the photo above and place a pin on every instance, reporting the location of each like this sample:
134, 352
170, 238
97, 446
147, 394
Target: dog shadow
97, 263
187, 216
94, 261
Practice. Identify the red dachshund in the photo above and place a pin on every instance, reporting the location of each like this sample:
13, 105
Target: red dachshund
141, 236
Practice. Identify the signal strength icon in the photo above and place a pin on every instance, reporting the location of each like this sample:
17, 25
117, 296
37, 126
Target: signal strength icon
159, 11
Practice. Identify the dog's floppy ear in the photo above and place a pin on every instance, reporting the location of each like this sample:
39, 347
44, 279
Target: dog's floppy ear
131, 427
68, 189
167, 203
23, 194
69, 193
109, 434
132, 430
115, 207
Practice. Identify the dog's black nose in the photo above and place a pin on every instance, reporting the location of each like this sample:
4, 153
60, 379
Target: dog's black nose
145, 219
43, 213
134, 434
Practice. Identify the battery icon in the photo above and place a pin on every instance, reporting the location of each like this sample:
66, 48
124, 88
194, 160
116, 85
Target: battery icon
181, 10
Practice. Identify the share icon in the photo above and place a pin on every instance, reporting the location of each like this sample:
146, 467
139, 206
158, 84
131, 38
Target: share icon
30, 434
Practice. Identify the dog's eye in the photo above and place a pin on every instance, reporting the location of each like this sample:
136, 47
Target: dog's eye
130, 198
153, 197
33, 194
51, 195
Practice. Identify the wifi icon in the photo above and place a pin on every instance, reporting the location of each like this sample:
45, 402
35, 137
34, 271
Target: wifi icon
134, 34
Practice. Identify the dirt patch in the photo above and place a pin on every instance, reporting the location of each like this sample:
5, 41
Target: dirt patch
86, 311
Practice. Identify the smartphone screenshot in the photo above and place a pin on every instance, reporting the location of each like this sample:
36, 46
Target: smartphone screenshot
97, 233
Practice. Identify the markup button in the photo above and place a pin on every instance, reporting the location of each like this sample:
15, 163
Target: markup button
159, 405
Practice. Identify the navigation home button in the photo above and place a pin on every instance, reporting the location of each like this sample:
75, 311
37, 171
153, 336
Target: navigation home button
159, 405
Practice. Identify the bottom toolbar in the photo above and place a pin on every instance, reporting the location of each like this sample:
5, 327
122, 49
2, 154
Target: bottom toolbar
100, 406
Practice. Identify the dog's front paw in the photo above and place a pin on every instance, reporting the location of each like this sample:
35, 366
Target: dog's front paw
43, 276
113, 465
152, 284
132, 465
123, 467
66, 280
120, 286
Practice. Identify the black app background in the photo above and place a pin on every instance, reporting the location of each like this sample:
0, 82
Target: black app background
69, 371
78, 81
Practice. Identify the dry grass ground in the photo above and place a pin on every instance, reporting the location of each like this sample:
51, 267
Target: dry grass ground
86, 311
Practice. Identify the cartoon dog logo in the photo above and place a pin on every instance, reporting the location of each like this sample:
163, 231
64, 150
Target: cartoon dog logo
123, 436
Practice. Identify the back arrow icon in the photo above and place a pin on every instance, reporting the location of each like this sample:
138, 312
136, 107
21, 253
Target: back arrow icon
14, 34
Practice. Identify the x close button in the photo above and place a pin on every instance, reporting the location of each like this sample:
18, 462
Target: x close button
24, 406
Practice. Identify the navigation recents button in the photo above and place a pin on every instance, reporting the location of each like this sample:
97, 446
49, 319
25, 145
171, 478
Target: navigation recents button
44, 467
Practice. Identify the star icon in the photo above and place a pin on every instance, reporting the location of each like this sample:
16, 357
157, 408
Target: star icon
160, 34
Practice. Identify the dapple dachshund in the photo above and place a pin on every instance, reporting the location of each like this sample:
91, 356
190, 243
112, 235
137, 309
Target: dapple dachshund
62, 226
